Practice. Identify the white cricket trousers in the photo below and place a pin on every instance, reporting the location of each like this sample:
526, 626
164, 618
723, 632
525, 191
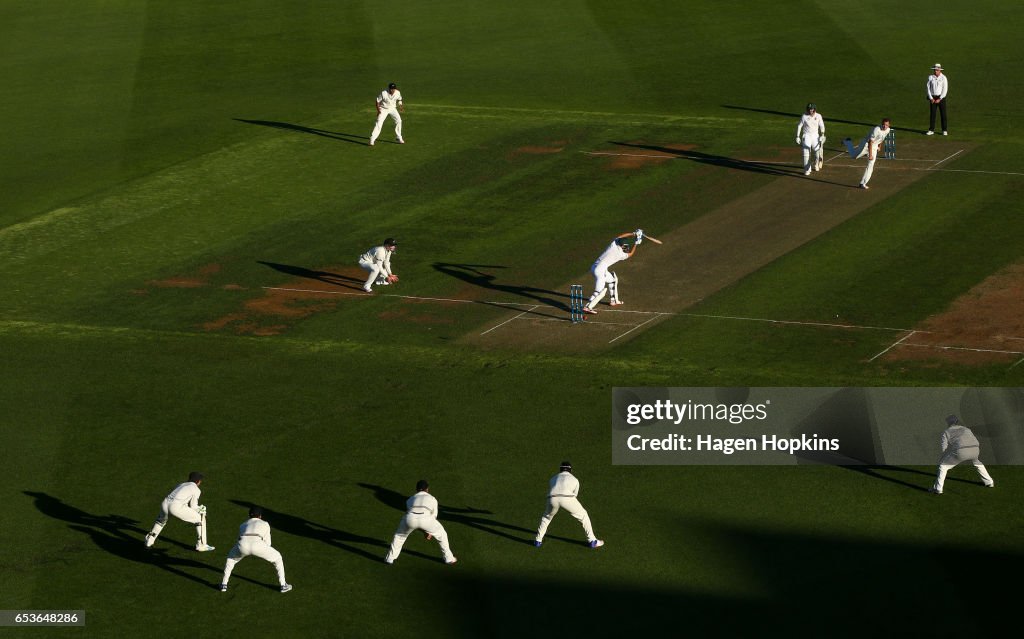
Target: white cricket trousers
812, 153
571, 506
859, 151
376, 271
952, 458
383, 115
256, 547
428, 524
604, 281
184, 513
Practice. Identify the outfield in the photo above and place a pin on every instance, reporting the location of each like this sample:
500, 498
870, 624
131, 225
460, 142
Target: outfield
185, 189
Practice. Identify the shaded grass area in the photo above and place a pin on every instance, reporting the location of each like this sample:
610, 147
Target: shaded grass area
332, 463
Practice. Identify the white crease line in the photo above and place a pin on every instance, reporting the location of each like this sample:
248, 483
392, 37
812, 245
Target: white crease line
825, 324
949, 158
965, 348
917, 168
634, 329
891, 346
536, 306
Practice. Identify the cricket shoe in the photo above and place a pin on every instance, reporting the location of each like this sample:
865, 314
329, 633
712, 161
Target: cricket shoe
454, 560
150, 540
615, 303
204, 548
367, 290
538, 544
934, 492
382, 283
945, 133
223, 587
401, 141
864, 186
807, 172
990, 485
589, 311
286, 587
597, 543
930, 133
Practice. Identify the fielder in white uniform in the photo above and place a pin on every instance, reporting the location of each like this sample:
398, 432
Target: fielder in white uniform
606, 281
389, 102
959, 444
421, 514
810, 135
254, 539
869, 146
377, 261
183, 503
562, 493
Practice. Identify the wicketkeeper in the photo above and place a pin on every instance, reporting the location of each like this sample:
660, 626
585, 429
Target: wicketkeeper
183, 503
377, 261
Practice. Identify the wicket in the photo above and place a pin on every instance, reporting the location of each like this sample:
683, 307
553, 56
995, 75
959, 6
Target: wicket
576, 303
889, 146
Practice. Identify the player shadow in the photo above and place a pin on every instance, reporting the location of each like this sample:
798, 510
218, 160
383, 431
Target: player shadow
121, 537
334, 135
471, 517
472, 274
327, 277
294, 525
796, 116
765, 168
882, 471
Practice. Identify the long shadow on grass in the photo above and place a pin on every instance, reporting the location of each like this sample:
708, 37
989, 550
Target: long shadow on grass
334, 135
796, 116
883, 472
121, 537
733, 163
756, 583
321, 276
300, 527
472, 517
472, 274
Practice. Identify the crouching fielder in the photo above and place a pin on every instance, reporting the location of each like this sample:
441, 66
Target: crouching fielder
562, 492
421, 514
254, 539
183, 503
605, 280
377, 262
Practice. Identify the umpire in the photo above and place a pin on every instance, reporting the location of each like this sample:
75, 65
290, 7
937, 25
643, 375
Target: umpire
937, 88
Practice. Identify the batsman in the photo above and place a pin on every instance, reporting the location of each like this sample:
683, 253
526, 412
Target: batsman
605, 280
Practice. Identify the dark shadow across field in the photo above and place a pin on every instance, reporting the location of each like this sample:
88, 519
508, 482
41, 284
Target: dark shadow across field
321, 276
733, 163
334, 135
120, 536
803, 585
300, 527
468, 516
796, 116
472, 274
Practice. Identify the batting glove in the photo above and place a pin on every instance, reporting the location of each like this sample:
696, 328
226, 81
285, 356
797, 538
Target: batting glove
639, 233
798, 141
201, 509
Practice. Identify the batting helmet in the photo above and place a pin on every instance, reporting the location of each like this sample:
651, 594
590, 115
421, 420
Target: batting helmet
565, 466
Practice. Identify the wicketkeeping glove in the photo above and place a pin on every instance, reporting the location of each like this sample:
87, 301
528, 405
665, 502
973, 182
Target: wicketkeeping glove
201, 509
392, 278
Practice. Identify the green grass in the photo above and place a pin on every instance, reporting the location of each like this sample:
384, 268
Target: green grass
149, 141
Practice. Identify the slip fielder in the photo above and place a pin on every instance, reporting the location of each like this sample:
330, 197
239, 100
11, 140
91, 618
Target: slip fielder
254, 539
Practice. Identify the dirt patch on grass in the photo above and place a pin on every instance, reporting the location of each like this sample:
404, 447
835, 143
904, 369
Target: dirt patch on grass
637, 155
318, 291
538, 150
983, 326
198, 279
